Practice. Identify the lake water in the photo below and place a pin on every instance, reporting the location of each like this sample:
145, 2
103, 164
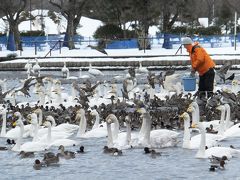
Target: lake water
175, 163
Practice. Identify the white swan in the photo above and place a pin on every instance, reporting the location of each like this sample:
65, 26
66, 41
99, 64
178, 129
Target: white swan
142, 69
228, 122
213, 151
194, 109
194, 142
82, 123
53, 141
19, 124
36, 68
93, 71
14, 133
63, 130
65, 71
122, 140
156, 138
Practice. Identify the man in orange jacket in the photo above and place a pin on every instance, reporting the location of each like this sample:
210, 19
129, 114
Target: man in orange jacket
203, 64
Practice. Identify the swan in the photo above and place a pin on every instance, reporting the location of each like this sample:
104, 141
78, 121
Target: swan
65, 71
57, 139
172, 83
93, 71
230, 130
64, 127
57, 132
39, 114
228, 122
194, 109
142, 69
118, 140
156, 138
213, 151
82, 123
28, 146
19, 124
83, 76
3, 112
36, 68
194, 142
14, 133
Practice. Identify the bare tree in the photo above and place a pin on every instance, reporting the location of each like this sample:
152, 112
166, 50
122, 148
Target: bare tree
72, 11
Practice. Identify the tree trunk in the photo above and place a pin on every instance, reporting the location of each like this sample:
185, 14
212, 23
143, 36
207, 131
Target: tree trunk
70, 32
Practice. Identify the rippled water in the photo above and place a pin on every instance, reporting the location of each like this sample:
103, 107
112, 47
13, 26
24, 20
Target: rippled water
175, 163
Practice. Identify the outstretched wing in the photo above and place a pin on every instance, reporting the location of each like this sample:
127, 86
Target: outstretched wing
225, 67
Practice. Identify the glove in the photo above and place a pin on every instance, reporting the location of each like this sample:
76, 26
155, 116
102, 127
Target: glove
192, 74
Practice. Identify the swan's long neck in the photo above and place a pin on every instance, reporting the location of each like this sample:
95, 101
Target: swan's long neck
128, 136
202, 147
35, 136
20, 137
110, 137
53, 122
222, 125
116, 128
96, 123
146, 137
197, 114
73, 91
49, 135
228, 117
40, 118
82, 124
186, 133
143, 128
3, 130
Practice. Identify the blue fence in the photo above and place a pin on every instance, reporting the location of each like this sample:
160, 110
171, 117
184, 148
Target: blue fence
123, 44
160, 40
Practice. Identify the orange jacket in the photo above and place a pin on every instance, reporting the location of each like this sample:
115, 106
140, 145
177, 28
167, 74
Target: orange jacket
200, 60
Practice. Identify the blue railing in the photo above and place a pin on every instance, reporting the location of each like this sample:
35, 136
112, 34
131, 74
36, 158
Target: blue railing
170, 40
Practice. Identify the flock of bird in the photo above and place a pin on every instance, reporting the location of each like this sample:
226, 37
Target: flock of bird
147, 116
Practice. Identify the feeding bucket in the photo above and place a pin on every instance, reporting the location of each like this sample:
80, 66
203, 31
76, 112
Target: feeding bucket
189, 83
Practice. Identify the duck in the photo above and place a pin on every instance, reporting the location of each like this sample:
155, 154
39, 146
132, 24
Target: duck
112, 151
24, 154
217, 160
81, 150
152, 152
51, 159
66, 154
212, 151
37, 164
2, 148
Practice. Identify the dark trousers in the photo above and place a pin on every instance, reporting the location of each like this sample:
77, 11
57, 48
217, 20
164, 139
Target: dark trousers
206, 83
